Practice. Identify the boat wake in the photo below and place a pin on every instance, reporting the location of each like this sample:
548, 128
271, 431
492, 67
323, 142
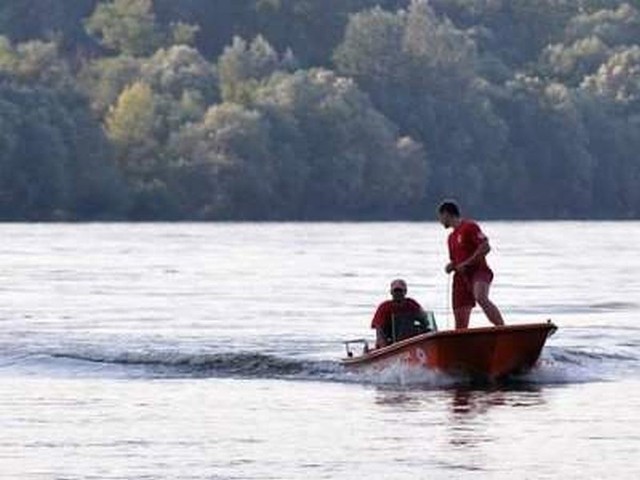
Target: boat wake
243, 365
557, 365
177, 364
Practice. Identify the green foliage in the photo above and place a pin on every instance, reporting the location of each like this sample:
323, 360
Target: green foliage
614, 26
35, 62
441, 57
223, 164
571, 63
347, 156
309, 144
554, 175
618, 79
126, 26
183, 33
104, 79
410, 51
54, 163
131, 120
371, 45
201, 110
243, 65
513, 31
8, 57
130, 125
438, 97
614, 143
317, 25
178, 70
185, 85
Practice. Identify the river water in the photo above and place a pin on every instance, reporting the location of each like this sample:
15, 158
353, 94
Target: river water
211, 351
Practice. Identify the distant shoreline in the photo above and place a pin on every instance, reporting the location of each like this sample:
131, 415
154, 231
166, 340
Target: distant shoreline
315, 221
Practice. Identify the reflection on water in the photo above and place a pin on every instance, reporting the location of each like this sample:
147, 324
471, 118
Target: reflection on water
467, 414
471, 412
460, 401
465, 402
461, 430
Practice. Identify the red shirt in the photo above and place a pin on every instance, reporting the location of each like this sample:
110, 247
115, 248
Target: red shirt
383, 315
464, 241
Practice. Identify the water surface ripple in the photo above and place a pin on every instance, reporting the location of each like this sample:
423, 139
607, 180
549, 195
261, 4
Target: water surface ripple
211, 351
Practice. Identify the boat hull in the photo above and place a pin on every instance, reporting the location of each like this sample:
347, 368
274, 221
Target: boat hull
487, 353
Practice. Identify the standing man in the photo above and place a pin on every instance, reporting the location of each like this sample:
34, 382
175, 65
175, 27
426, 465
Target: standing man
468, 247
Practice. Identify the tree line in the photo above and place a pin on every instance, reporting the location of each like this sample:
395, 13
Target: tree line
312, 110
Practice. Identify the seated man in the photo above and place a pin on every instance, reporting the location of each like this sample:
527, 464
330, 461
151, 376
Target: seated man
398, 318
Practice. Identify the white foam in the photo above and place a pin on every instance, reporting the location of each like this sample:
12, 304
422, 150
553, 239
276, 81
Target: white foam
399, 374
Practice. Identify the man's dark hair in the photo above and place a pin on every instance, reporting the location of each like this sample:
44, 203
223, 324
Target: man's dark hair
449, 207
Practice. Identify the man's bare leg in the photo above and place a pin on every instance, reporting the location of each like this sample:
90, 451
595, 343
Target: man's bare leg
461, 315
481, 294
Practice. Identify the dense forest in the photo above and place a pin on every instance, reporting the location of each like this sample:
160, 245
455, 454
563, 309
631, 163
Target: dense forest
318, 109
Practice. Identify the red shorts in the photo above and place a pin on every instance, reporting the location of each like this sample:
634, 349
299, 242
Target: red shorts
463, 287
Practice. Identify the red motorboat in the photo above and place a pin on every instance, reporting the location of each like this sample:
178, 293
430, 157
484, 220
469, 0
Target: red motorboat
486, 353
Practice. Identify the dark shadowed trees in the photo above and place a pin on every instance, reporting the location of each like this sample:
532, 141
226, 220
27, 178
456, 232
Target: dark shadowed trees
304, 109
54, 160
